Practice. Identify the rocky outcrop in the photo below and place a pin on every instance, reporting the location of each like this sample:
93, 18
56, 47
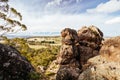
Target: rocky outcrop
13, 66
90, 39
76, 49
69, 56
90, 34
69, 36
111, 49
105, 66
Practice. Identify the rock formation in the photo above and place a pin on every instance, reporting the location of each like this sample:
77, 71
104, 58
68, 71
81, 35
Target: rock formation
111, 49
76, 49
105, 66
69, 56
90, 39
13, 66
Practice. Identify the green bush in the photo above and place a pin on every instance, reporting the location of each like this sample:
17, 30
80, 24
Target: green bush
41, 57
34, 76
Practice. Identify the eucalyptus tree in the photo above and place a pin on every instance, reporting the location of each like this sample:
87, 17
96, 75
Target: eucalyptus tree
10, 19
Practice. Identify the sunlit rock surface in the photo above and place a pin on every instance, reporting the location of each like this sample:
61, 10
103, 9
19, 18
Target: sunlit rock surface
105, 66
76, 49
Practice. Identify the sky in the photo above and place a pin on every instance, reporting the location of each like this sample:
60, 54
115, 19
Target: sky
52, 16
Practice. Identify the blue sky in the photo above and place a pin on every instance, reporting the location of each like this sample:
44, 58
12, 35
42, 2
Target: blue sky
55, 15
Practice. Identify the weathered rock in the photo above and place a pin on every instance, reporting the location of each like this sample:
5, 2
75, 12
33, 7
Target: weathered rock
111, 49
67, 72
76, 49
69, 36
13, 66
68, 58
68, 54
101, 69
100, 72
90, 34
105, 66
86, 53
90, 39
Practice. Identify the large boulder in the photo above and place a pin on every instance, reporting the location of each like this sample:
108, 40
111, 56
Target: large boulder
90, 34
108, 71
67, 72
13, 66
68, 58
69, 36
111, 49
68, 54
90, 39
76, 49
105, 66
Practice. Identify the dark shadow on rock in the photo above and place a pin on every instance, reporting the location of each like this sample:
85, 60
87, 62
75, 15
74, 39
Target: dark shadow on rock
13, 66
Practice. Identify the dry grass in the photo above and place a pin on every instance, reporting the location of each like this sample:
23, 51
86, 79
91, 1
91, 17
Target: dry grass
37, 46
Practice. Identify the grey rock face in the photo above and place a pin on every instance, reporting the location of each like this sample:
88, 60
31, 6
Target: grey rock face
13, 66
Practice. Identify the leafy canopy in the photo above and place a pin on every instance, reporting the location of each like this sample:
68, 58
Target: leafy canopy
10, 19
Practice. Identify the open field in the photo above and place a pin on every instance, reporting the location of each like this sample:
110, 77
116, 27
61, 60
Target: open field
36, 47
39, 42
43, 42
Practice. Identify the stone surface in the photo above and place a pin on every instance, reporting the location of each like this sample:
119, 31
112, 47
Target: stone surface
68, 58
67, 72
111, 49
13, 66
105, 66
76, 49
69, 36
90, 34
90, 39
101, 69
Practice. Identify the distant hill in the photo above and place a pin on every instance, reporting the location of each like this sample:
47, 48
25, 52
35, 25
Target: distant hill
35, 34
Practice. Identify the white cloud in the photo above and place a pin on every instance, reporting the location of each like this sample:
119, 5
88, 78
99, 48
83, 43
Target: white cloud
108, 7
57, 22
54, 3
58, 2
113, 21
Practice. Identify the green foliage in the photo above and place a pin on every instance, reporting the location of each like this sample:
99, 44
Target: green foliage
49, 42
38, 57
43, 58
44, 42
49, 73
34, 42
7, 16
34, 76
